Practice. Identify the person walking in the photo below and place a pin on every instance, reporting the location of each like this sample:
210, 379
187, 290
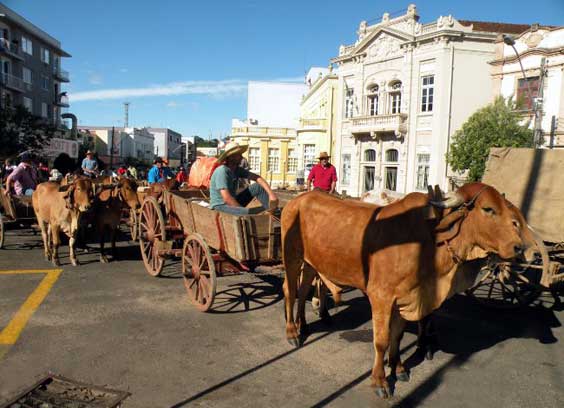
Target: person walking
323, 175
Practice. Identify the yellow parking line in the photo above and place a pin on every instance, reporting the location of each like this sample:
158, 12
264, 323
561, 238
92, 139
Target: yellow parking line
12, 331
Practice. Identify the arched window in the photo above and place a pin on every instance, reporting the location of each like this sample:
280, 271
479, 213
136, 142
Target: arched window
395, 97
392, 155
370, 155
373, 100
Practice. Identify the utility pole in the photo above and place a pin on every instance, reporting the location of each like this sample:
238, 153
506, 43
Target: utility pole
112, 149
537, 106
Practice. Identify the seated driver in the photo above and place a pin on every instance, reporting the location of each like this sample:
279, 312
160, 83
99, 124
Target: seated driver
224, 182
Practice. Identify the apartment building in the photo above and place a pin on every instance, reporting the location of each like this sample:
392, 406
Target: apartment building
168, 145
404, 88
30, 67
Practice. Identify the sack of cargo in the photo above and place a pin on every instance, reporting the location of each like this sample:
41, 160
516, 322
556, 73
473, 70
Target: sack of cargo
201, 172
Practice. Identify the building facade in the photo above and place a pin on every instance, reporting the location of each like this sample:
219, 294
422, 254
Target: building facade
272, 152
533, 46
318, 118
404, 88
168, 145
30, 67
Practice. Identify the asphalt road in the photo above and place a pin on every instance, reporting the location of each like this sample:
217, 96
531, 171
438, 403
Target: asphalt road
113, 324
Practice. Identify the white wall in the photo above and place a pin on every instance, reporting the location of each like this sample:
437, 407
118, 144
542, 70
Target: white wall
275, 104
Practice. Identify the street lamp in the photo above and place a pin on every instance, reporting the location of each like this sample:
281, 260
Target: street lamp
508, 39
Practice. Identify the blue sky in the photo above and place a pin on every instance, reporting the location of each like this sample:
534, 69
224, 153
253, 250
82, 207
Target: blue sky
185, 64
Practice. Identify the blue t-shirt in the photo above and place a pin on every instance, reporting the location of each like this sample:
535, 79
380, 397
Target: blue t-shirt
89, 164
223, 178
154, 175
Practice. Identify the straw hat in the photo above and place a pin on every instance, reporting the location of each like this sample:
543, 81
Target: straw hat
231, 149
323, 155
89, 152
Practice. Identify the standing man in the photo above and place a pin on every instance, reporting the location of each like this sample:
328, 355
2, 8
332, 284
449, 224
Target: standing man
156, 174
23, 178
181, 176
224, 182
323, 175
90, 165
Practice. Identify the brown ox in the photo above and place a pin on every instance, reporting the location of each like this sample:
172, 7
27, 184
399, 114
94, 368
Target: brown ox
110, 201
58, 208
405, 264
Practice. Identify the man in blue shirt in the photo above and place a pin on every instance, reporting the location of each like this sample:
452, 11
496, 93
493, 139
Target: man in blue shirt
90, 165
224, 182
156, 174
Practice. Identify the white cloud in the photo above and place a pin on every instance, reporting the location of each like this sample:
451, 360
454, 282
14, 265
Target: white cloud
215, 88
124, 70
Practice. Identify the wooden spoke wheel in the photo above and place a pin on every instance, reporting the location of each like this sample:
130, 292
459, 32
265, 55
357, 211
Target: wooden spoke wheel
198, 269
1, 232
151, 233
509, 285
134, 224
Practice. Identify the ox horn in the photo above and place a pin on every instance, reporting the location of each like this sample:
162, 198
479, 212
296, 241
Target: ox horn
452, 200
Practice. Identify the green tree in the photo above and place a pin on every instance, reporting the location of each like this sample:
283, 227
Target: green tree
21, 131
495, 125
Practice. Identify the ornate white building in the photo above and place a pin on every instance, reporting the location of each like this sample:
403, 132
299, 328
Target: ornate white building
404, 89
533, 45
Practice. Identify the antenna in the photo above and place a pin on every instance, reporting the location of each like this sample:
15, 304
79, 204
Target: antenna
126, 111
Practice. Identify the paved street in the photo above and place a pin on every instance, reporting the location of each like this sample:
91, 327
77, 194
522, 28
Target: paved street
115, 325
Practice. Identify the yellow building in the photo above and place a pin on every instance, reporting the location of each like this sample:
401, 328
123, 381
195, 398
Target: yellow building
272, 152
318, 113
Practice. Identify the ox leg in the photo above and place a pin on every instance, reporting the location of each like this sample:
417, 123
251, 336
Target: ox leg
56, 242
101, 233
381, 314
397, 326
307, 278
290, 288
45, 231
113, 230
323, 311
426, 337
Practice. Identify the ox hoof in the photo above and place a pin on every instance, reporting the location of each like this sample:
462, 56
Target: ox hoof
56, 262
74, 262
382, 392
315, 304
403, 376
429, 354
295, 342
103, 259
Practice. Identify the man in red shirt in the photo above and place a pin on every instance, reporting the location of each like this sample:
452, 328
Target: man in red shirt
323, 175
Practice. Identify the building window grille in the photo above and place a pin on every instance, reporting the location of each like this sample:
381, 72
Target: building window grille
346, 169
370, 155
45, 55
254, 159
45, 83
373, 101
427, 90
423, 171
28, 103
349, 102
44, 109
309, 154
523, 98
273, 160
369, 174
292, 161
27, 75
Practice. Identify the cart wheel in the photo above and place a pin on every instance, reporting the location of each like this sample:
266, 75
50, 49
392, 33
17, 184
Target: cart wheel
151, 233
1, 232
510, 285
133, 224
198, 269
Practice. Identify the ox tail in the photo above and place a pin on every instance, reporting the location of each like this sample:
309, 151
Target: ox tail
292, 253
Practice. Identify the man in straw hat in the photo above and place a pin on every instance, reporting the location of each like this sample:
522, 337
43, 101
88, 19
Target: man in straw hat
323, 175
225, 179
90, 165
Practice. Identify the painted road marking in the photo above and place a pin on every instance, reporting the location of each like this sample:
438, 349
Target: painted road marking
12, 331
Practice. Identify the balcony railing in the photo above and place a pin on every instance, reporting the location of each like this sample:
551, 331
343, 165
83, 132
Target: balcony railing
263, 131
380, 123
306, 124
61, 74
13, 82
10, 49
63, 101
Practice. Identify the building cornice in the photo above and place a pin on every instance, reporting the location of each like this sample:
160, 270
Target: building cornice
317, 85
546, 52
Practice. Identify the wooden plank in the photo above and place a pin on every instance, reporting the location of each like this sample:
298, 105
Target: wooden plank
205, 225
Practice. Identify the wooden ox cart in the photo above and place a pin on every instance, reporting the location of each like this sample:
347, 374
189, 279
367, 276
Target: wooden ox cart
210, 243
532, 180
14, 210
